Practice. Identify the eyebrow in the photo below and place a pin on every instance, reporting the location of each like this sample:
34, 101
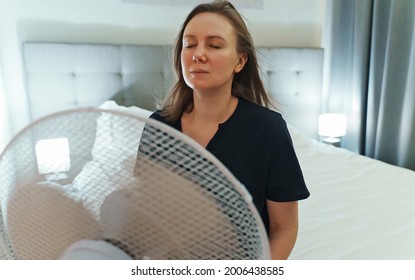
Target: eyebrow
208, 37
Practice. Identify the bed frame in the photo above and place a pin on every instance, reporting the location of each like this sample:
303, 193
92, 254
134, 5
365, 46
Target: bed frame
61, 76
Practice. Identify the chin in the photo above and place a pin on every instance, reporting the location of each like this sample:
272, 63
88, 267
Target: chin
198, 86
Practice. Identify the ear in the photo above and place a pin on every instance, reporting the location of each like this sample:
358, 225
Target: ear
243, 58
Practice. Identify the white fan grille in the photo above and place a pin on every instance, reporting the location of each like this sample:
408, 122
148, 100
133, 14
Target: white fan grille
170, 200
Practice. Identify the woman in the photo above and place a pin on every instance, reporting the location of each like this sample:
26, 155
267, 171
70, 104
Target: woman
220, 101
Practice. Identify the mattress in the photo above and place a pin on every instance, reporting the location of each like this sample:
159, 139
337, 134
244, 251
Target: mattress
359, 208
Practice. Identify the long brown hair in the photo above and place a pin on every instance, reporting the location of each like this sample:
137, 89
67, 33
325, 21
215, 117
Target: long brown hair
246, 84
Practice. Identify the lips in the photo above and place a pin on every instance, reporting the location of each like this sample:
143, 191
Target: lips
198, 71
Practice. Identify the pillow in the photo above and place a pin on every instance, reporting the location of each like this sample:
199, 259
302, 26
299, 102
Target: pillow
113, 155
299, 139
112, 105
117, 137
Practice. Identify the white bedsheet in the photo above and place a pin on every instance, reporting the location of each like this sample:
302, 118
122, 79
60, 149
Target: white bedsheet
359, 208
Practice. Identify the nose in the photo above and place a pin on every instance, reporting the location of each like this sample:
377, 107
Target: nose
199, 57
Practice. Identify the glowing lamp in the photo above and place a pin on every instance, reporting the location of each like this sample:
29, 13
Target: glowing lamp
332, 126
52, 155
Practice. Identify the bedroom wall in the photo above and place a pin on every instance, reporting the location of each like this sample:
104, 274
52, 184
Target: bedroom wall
5, 125
295, 23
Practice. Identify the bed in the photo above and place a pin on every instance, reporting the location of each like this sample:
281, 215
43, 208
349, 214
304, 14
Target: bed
359, 208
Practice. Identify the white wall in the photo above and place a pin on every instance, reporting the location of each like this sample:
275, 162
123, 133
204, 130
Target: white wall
5, 125
280, 23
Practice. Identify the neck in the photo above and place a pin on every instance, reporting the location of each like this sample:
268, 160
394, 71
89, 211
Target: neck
213, 108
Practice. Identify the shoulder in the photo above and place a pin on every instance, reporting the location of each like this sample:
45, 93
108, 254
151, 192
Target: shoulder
258, 114
158, 116
267, 123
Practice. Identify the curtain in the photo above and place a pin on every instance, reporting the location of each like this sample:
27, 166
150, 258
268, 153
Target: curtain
390, 134
347, 44
370, 76
5, 130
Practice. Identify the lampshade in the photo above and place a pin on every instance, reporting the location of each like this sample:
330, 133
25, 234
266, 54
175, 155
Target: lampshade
53, 155
332, 125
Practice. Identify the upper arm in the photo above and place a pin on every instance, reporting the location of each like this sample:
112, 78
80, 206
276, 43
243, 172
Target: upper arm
283, 215
283, 220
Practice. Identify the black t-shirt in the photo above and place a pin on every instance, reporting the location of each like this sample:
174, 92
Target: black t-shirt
255, 145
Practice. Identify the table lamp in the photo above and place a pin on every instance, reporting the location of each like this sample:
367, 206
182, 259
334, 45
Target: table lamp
331, 127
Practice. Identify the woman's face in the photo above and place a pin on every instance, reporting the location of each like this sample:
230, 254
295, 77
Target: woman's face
209, 57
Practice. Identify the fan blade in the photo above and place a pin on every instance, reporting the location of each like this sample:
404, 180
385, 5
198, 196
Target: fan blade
43, 221
140, 218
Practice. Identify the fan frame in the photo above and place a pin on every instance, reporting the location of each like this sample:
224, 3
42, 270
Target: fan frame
239, 187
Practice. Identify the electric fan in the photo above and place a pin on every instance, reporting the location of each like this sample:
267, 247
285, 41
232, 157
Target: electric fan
105, 184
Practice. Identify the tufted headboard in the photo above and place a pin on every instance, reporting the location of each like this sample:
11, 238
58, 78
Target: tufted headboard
62, 76
293, 76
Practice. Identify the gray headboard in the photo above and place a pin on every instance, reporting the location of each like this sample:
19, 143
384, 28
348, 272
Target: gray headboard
62, 76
